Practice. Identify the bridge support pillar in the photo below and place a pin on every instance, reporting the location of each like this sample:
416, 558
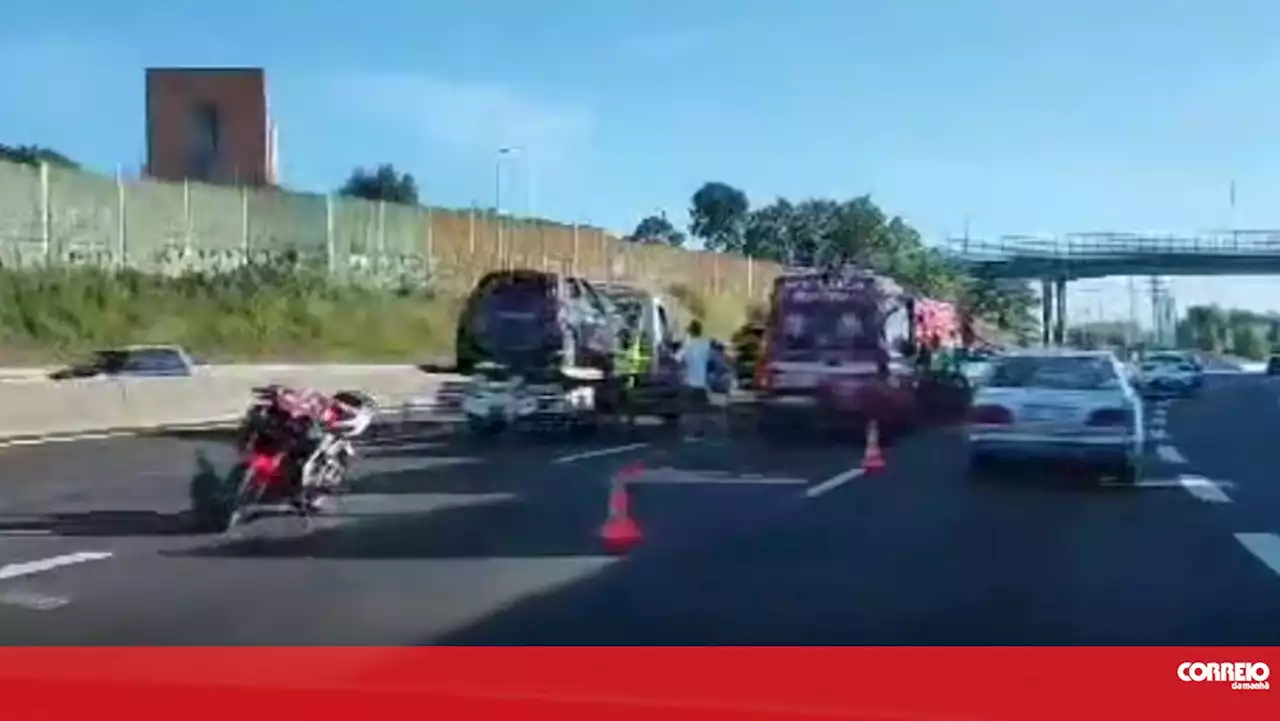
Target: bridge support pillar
1060, 323
1046, 311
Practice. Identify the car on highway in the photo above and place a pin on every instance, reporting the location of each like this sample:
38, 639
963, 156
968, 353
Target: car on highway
1273, 365
1169, 374
539, 346
1057, 406
975, 365
533, 318
131, 361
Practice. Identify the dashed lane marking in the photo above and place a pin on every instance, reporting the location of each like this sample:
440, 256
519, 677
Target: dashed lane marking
1179, 482
1169, 454
17, 570
669, 475
599, 452
1204, 489
834, 482
33, 601
1264, 546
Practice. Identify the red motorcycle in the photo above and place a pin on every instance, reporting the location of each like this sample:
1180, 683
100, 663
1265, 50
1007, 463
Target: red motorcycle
295, 448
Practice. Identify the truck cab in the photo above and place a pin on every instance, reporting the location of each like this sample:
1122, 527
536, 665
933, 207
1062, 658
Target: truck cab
827, 361
643, 316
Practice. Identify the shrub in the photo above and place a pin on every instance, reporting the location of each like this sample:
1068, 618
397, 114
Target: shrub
721, 314
253, 313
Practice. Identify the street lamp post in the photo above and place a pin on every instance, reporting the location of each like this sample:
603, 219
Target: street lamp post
497, 201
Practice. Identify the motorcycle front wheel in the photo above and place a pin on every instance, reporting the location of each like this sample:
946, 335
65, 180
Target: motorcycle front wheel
248, 493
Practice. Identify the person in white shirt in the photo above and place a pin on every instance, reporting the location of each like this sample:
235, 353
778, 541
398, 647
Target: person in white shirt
694, 357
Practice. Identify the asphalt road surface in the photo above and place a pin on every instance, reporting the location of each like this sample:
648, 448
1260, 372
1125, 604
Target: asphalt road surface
746, 542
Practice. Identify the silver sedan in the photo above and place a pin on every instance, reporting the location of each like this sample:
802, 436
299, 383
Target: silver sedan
1058, 406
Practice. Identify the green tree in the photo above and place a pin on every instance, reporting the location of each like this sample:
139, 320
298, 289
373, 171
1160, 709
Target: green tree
1204, 327
1246, 343
383, 183
822, 231
657, 230
791, 234
34, 155
717, 216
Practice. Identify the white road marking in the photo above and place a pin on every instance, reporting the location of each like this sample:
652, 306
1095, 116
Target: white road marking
26, 532
1204, 489
612, 451
1264, 546
18, 442
17, 570
834, 482
33, 601
1180, 482
667, 474
1169, 454
1159, 434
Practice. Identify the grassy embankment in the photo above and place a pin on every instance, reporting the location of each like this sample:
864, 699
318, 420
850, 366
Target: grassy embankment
54, 315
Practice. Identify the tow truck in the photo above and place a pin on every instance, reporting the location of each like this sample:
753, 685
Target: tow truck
540, 349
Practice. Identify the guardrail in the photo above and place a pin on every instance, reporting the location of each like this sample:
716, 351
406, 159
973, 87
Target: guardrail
108, 404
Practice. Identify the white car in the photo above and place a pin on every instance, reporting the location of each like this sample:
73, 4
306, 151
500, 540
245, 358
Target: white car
1058, 406
1169, 374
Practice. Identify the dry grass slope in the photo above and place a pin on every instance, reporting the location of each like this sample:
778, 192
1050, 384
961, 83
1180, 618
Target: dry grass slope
254, 314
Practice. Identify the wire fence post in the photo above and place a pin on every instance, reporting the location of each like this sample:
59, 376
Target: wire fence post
186, 219
471, 228
244, 225
122, 248
330, 248
431, 240
380, 241
46, 215
576, 240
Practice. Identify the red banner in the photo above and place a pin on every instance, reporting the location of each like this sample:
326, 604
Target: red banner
706, 684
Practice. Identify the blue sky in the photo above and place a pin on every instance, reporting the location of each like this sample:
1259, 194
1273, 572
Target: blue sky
1019, 117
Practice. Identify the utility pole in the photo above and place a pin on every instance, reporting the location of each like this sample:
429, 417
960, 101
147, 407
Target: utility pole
1163, 314
1157, 326
1131, 329
497, 202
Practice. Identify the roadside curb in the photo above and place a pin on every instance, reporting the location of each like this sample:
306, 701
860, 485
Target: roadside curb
390, 419
38, 439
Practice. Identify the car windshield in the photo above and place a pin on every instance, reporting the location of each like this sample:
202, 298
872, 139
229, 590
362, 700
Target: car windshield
514, 315
1166, 359
109, 360
1057, 373
155, 360
629, 305
827, 326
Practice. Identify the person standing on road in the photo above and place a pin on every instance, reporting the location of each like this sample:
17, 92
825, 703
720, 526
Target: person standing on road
694, 357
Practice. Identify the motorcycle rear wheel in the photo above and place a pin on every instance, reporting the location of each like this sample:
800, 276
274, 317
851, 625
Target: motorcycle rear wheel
248, 494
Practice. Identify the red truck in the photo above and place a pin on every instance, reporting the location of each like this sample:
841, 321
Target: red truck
842, 348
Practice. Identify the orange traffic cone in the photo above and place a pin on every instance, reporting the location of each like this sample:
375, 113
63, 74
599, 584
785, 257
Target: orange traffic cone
620, 532
872, 458
629, 472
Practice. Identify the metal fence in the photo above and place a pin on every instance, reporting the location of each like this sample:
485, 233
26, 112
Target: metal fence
1090, 246
52, 215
